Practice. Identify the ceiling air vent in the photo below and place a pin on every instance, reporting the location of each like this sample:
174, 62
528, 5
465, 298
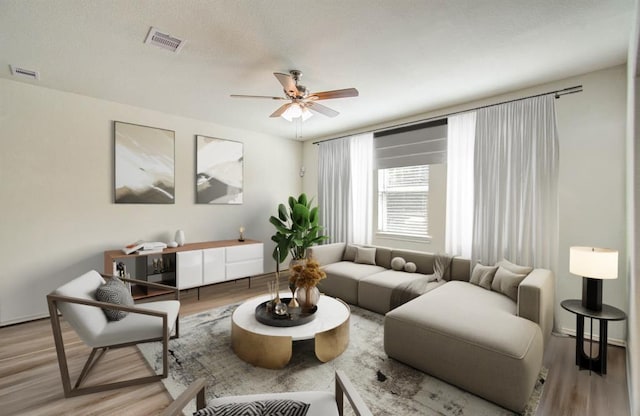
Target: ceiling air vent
22, 72
164, 40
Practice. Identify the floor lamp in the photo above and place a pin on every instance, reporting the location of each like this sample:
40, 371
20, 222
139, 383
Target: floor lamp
593, 264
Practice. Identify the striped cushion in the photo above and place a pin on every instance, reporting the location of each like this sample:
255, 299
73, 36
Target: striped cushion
257, 408
114, 291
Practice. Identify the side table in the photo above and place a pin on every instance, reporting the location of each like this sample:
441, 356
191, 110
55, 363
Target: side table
608, 313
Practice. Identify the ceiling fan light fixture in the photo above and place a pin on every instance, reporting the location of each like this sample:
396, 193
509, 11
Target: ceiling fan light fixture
306, 114
293, 111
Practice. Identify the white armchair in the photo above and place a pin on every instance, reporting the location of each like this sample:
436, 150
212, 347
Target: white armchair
322, 403
153, 321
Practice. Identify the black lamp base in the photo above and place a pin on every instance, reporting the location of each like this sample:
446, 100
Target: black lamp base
592, 293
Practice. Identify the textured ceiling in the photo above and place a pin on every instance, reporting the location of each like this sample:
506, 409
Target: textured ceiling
404, 56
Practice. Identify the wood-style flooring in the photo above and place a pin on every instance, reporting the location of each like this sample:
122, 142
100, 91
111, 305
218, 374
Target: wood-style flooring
30, 379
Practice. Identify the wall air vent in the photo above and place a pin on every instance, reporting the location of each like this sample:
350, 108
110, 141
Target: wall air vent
22, 72
164, 40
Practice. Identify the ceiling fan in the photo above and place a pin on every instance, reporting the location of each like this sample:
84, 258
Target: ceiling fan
301, 99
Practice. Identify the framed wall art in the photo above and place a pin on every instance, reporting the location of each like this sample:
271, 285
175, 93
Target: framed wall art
219, 171
144, 164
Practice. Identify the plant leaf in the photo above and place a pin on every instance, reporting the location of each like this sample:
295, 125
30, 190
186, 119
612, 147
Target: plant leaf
282, 213
302, 199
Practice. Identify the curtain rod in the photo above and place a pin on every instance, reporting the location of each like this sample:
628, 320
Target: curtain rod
557, 93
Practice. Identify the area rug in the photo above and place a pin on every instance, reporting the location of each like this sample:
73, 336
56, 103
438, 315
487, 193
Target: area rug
387, 386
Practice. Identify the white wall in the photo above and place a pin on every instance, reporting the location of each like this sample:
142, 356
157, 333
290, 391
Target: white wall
591, 127
57, 214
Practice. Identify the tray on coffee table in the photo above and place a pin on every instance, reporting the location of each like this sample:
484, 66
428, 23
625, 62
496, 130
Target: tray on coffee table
293, 317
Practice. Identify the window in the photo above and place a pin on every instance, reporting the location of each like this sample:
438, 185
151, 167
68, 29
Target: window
403, 200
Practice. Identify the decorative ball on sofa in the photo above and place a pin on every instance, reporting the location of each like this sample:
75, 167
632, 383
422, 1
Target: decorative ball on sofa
397, 263
410, 267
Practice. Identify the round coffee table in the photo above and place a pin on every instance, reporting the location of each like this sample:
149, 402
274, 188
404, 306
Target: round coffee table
270, 346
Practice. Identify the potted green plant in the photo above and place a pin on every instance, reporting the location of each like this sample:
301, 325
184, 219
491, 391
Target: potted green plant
297, 228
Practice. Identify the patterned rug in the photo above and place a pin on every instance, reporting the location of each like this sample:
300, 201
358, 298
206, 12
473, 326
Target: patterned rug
387, 386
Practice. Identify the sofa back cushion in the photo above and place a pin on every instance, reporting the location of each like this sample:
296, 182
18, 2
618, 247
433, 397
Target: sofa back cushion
461, 269
383, 254
423, 261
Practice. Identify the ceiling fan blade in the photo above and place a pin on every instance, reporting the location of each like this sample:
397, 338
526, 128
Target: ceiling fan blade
327, 95
288, 84
257, 96
322, 109
280, 110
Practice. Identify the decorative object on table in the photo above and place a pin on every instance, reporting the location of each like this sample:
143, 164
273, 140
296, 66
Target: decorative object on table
179, 237
219, 167
241, 237
172, 244
293, 303
144, 164
593, 264
297, 229
306, 276
279, 307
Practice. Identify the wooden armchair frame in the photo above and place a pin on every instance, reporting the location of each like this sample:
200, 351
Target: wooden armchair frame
76, 390
343, 388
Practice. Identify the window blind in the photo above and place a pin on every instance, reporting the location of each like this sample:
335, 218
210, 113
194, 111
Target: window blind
421, 144
403, 199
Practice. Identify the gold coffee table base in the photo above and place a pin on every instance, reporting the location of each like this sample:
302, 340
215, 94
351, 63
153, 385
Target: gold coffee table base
274, 352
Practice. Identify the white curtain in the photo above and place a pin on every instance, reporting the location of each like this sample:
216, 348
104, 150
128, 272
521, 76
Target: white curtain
361, 154
516, 183
345, 171
459, 220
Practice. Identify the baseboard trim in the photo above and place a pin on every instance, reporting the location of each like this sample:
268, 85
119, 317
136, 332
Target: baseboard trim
611, 341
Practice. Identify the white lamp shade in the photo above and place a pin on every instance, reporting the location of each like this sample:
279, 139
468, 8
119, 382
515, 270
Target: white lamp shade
593, 262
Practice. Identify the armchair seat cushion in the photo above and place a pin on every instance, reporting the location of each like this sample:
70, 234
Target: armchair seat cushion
137, 326
322, 403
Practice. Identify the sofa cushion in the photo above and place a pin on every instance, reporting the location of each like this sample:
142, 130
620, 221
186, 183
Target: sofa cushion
507, 282
365, 255
343, 277
410, 267
483, 275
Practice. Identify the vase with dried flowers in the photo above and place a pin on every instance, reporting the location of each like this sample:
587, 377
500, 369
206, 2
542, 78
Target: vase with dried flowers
306, 276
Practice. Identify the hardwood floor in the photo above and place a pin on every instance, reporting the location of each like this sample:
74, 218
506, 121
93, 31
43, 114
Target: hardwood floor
30, 379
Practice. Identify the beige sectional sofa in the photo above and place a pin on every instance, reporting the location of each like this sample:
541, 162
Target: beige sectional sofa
478, 339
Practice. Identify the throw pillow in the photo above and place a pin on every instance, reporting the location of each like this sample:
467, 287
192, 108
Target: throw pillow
285, 407
232, 409
410, 267
349, 253
483, 275
366, 255
116, 292
397, 263
512, 267
281, 407
509, 282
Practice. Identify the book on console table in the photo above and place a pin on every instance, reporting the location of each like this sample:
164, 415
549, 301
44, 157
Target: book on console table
142, 247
